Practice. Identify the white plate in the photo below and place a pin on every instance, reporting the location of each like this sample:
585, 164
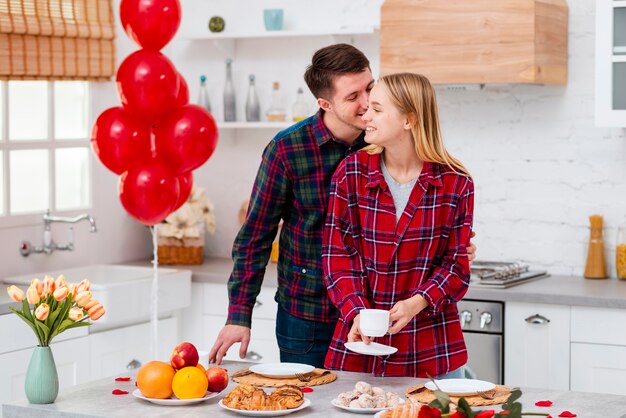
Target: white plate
281, 370
361, 410
372, 349
174, 401
461, 387
279, 413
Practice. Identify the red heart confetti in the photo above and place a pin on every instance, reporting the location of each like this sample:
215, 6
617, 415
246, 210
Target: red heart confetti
306, 390
543, 403
119, 392
122, 379
567, 414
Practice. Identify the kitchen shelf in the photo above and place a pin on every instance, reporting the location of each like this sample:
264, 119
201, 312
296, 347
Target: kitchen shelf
254, 125
361, 30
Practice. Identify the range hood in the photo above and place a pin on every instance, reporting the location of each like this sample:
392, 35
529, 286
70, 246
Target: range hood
476, 41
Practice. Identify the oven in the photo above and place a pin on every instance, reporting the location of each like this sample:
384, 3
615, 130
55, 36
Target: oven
483, 329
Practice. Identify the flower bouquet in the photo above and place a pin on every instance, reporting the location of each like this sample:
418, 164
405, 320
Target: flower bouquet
50, 307
56, 306
181, 235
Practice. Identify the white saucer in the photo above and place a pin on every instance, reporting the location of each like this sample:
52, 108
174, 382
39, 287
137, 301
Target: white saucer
372, 349
281, 370
174, 401
278, 413
361, 410
461, 387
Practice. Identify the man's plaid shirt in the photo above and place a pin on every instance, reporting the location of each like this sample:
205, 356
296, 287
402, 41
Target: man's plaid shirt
292, 184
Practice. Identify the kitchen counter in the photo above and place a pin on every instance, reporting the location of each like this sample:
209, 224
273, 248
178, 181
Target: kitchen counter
556, 290
95, 400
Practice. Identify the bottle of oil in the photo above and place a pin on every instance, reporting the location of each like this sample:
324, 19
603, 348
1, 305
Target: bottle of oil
595, 267
276, 113
300, 109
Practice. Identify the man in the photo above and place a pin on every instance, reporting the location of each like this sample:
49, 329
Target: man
292, 185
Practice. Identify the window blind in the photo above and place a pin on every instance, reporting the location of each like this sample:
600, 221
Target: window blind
57, 40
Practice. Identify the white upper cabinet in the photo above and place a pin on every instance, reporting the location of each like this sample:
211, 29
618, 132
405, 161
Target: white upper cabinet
610, 63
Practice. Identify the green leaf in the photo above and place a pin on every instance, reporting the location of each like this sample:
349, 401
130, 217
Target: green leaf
29, 322
46, 332
464, 407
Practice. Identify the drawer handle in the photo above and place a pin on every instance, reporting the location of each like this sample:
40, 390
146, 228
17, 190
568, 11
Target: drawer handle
537, 319
254, 356
258, 303
134, 364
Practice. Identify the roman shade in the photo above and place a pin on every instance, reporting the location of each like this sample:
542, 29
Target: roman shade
57, 40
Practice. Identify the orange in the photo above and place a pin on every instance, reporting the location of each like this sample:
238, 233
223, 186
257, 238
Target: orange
189, 383
154, 380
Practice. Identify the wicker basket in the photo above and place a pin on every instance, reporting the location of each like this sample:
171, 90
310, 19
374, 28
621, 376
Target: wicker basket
180, 251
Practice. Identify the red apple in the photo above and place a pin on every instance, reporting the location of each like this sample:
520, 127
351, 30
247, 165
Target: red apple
184, 355
218, 379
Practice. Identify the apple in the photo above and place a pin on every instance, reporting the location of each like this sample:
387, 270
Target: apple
184, 355
218, 379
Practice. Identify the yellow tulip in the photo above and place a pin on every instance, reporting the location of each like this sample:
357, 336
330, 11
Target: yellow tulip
61, 293
38, 285
90, 304
96, 312
42, 311
83, 297
32, 295
83, 285
76, 314
60, 281
48, 286
16, 293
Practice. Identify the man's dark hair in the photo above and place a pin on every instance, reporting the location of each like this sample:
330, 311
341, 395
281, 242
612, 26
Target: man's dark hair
332, 61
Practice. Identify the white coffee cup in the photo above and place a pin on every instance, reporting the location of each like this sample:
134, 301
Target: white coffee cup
374, 322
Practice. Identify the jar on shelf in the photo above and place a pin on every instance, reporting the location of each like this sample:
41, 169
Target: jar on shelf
620, 253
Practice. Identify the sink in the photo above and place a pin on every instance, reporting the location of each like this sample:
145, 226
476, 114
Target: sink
125, 291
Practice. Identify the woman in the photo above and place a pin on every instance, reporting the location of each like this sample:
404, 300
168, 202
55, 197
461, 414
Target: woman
399, 221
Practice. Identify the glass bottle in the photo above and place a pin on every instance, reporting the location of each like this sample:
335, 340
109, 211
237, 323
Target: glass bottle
230, 108
253, 108
595, 267
620, 252
300, 109
276, 113
203, 96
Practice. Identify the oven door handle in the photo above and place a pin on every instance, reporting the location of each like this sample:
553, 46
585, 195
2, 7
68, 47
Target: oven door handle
537, 319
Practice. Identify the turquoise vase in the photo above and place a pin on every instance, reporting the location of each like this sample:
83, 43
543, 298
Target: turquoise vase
42, 382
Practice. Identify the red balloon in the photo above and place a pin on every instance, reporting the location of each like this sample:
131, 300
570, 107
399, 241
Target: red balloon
148, 191
150, 23
119, 139
186, 138
185, 183
183, 92
148, 84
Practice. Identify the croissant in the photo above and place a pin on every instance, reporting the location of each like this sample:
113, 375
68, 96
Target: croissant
286, 397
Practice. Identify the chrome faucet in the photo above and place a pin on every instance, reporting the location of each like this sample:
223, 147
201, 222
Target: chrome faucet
48, 244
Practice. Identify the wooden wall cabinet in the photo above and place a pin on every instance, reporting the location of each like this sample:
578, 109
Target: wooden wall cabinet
480, 41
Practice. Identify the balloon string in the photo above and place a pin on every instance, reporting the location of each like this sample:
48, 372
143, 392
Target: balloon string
154, 296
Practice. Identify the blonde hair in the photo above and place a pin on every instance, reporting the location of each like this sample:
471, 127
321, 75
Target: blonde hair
414, 96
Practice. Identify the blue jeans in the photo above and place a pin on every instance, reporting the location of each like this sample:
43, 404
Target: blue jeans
454, 374
301, 340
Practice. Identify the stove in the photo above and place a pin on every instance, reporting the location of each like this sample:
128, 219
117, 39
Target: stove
503, 274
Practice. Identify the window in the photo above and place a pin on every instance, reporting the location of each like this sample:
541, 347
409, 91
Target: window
44, 147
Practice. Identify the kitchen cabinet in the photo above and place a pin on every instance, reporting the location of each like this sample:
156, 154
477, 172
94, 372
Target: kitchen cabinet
71, 358
537, 345
610, 61
207, 316
598, 350
119, 350
483, 41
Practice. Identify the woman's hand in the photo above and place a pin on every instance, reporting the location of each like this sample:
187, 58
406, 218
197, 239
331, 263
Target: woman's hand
405, 310
355, 332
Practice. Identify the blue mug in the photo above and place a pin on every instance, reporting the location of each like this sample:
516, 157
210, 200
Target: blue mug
273, 19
